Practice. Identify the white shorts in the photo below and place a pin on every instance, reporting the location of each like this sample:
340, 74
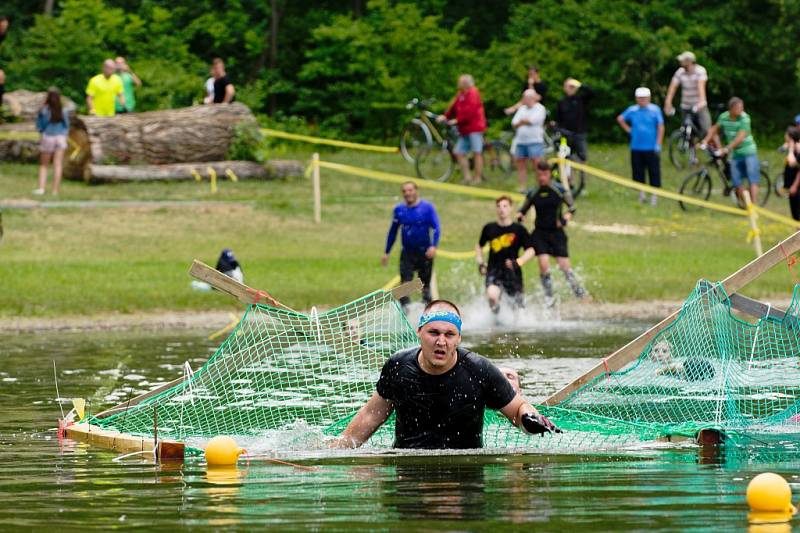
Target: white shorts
51, 143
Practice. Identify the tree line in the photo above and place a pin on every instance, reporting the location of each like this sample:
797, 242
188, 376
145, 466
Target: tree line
346, 68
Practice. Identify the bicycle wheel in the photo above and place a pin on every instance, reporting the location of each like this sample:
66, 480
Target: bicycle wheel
577, 178
415, 135
435, 163
695, 185
764, 188
497, 160
682, 151
780, 190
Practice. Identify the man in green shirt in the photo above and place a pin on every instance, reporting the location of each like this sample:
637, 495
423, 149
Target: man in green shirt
129, 82
735, 127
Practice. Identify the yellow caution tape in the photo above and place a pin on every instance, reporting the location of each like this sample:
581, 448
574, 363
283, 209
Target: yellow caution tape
391, 283
226, 329
213, 174
231, 174
477, 192
195, 174
329, 142
309, 169
625, 182
766, 213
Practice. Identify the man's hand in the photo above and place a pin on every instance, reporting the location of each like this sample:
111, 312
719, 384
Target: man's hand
669, 110
520, 217
511, 264
538, 424
441, 118
482, 269
430, 253
385, 260
793, 189
658, 149
568, 216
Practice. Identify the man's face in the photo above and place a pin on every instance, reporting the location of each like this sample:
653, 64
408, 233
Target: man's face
109, 67
217, 70
533, 74
570, 89
737, 109
463, 83
410, 194
543, 177
439, 341
3, 26
529, 99
503, 208
119, 64
643, 101
688, 65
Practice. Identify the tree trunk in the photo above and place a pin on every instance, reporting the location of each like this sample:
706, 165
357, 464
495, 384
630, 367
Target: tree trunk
19, 142
190, 134
242, 170
26, 104
48, 8
274, 23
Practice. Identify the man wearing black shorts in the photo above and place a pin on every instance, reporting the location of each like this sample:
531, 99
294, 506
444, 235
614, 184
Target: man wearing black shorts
439, 392
504, 270
548, 237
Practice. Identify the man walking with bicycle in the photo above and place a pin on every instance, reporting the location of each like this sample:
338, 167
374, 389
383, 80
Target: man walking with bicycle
692, 79
571, 115
735, 127
466, 112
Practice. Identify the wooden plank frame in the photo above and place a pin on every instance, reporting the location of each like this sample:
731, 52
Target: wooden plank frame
732, 284
168, 450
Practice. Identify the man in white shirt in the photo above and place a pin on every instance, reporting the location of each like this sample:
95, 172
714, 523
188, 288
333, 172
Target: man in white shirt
692, 79
528, 122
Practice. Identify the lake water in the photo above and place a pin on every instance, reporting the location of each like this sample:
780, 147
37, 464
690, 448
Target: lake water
71, 486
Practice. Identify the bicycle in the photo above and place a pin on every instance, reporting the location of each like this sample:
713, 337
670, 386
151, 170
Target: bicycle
438, 161
682, 143
698, 183
420, 132
576, 178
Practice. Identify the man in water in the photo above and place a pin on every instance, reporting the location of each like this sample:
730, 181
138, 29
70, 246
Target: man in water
418, 219
439, 392
504, 272
548, 237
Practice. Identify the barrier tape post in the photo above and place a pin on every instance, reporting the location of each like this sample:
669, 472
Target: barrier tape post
754, 234
315, 185
434, 286
213, 175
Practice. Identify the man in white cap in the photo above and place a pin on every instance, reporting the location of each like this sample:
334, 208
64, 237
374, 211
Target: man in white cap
644, 122
692, 79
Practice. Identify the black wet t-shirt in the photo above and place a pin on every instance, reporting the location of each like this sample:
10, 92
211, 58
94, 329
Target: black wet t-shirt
505, 242
547, 201
444, 411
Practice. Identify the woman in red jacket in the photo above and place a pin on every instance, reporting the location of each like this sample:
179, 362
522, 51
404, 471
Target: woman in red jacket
466, 112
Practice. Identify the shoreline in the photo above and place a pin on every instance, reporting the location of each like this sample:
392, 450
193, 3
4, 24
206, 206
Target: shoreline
216, 319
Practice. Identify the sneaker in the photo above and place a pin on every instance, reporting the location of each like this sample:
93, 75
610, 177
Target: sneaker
38, 192
549, 302
653, 200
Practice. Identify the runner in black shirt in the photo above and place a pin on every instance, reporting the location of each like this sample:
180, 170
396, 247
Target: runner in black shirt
440, 391
548, 237
505, 238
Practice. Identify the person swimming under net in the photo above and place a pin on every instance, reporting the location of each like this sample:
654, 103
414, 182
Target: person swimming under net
439, 391
690, 369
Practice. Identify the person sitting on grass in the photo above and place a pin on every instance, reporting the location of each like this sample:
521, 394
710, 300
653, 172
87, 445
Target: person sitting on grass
528, 122
439, 392
504, 272
548, 237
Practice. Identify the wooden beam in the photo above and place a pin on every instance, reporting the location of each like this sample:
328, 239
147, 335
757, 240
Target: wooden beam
732, 284
228, 285
408, 288
123, 442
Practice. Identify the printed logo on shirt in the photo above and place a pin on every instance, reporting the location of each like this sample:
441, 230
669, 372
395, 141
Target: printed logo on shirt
503, 241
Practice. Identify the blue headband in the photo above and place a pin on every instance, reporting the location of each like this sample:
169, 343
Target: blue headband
440, 316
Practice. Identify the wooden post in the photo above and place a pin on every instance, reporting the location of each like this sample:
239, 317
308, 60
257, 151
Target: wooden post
434, 286
213, 174
315, 184
754, 231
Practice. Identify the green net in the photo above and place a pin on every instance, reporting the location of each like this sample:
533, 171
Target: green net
708, 369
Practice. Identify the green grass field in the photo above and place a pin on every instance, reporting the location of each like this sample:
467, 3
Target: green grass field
71, 261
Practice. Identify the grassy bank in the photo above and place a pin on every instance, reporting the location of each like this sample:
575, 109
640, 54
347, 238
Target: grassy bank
73, 261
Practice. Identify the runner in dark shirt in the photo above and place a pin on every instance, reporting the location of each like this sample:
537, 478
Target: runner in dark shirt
504, 269
440, 392
548, 237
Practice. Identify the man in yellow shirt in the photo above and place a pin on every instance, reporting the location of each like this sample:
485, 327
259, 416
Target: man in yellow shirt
103, 91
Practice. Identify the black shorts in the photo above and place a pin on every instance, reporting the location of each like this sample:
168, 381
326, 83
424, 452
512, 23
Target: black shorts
550, 241
508, 280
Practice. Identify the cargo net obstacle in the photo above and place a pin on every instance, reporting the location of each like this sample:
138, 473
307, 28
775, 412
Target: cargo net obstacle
707, 369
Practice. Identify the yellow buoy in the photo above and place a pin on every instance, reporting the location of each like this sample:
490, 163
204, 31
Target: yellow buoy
222, 451
770, 499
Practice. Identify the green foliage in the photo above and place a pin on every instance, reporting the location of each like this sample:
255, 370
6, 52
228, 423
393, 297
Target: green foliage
347, 70
248, 143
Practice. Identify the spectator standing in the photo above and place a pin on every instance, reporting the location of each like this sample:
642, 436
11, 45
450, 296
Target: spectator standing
734, 124
209, 88
129, 83
103, 91
4, 22
791, 176
52, 122
224, 91
532, 81
466, 112
692, 80
417, 219
572, 116
644, 122
528, 143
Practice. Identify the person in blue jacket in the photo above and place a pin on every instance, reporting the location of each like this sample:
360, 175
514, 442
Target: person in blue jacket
420, 237
52, 122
